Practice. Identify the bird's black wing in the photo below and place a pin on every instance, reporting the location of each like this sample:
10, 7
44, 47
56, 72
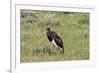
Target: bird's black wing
55, 35
58, 41
52, 35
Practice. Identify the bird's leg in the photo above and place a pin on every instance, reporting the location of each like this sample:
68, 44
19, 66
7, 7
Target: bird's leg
53, 48
58, 50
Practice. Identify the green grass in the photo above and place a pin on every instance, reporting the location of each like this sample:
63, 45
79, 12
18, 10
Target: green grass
73, 28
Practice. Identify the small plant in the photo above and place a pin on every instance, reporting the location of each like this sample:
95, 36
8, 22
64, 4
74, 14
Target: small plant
84, 19
48, 21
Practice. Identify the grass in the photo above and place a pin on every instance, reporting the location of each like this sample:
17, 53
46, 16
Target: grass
73, 28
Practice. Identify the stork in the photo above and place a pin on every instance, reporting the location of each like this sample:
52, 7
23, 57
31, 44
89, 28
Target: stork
55, 39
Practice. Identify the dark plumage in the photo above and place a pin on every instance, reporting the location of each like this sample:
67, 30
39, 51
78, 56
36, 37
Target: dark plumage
55, 39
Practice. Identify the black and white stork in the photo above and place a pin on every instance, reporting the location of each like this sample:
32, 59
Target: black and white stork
55, 40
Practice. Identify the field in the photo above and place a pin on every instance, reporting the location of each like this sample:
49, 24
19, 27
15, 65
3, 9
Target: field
72, 27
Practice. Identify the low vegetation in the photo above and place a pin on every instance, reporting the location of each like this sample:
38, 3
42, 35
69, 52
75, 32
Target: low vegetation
72, 27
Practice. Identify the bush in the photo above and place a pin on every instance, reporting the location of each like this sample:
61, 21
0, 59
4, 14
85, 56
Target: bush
48, 20
25, 13
84, 19
28, 16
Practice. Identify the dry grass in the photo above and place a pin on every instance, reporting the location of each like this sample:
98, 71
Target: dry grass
72, 28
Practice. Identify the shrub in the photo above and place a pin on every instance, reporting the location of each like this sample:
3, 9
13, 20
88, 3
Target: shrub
25, 13
84, 19
48, 20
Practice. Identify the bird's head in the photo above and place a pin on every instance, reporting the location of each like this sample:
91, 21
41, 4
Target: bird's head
47, 29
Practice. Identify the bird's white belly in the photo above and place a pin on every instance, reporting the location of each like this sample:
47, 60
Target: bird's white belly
54, 43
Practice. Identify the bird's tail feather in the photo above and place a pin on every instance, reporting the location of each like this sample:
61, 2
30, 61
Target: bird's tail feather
62, 50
